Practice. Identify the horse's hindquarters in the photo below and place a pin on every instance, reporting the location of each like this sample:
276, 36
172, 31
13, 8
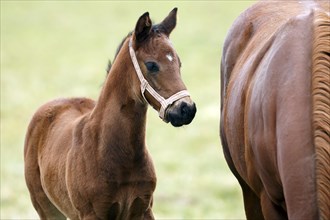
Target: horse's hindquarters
47, 143
266, 112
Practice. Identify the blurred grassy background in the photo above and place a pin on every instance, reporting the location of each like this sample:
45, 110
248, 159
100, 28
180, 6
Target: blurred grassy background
53, 49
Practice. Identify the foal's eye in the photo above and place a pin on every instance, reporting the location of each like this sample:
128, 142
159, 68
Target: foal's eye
152, 67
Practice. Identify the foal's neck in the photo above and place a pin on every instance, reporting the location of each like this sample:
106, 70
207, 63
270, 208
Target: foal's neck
119, 113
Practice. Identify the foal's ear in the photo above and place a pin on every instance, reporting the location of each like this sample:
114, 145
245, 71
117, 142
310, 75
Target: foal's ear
142, 28
169, 23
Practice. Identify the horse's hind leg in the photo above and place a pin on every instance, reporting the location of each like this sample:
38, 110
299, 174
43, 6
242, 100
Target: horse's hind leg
251, 200
45, 209
271, 210
251, 203
40, 201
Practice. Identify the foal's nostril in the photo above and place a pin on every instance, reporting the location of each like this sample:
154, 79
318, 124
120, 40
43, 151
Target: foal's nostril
184, 108
187, 111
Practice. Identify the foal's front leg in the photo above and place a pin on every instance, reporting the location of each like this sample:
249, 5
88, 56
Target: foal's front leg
141, 209
149, 215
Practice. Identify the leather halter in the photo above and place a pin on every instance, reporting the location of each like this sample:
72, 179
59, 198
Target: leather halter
146, 86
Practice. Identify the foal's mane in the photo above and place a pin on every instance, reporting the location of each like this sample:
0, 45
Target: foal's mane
117, 51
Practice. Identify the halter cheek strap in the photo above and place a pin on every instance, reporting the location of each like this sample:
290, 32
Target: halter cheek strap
146, 86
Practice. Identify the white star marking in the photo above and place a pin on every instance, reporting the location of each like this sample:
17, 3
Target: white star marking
169, 57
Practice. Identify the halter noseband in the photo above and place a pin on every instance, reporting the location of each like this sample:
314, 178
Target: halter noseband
146, 86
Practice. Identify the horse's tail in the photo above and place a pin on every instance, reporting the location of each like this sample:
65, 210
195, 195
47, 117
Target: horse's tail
321, 109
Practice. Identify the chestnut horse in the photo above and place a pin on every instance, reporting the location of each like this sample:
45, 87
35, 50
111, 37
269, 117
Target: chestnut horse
275, 108
87, 159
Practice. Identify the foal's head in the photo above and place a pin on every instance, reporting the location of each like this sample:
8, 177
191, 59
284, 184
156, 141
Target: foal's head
159, 65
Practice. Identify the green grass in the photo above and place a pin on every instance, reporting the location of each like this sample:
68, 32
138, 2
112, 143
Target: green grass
53, 49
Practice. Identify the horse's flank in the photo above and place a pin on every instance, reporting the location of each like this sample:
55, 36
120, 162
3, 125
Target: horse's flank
321, 108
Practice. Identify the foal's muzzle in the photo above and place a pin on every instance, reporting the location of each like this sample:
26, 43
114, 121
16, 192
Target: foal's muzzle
182, 112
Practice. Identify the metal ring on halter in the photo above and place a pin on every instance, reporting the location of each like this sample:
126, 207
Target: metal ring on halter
146, 86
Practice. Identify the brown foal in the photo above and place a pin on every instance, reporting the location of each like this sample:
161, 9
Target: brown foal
87, 159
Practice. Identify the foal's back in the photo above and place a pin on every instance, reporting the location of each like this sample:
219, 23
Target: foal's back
58, 114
